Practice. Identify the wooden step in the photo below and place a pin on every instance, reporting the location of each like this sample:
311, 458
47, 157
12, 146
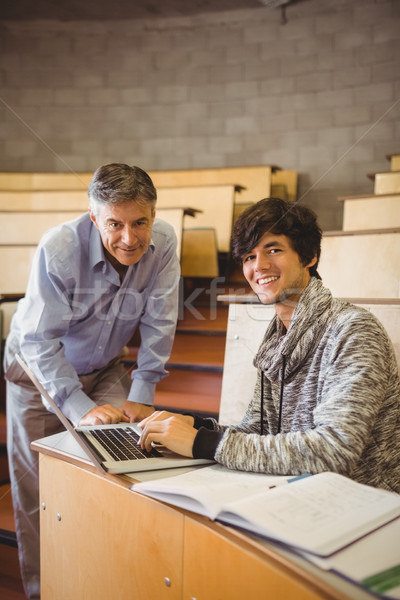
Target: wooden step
371, 211
6, 510
204, 320
10, 577
4, 473
190, 391
187, 403
196, 352
11, 587
3, 427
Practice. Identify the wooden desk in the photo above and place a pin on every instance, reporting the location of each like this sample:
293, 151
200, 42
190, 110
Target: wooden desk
99, 540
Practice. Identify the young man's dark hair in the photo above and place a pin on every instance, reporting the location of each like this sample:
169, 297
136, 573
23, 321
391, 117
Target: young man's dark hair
281, 217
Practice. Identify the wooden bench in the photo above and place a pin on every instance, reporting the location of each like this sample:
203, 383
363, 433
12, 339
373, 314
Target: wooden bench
386, 183
43, 200
44, 181
215, 205
284, 184
176, 217
394, 160
27, 228
252, 183
255, 181
363, 212
212, 205
200, 256
219, 193
361, 264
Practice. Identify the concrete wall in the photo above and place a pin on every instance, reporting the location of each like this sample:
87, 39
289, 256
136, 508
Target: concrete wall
319, 94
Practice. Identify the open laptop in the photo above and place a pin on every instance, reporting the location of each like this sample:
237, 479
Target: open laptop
115, 448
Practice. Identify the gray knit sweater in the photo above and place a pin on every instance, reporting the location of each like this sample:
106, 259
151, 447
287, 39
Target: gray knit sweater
340, 402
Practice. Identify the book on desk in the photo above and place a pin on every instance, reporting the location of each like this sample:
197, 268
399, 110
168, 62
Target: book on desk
327, 518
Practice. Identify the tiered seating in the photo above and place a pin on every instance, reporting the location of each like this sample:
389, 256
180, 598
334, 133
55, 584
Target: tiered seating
219, 193
363, 260
211, 192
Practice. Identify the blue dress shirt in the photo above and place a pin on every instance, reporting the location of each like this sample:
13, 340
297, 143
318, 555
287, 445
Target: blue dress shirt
77, 316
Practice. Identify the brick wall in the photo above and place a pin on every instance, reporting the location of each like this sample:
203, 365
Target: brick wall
319, 94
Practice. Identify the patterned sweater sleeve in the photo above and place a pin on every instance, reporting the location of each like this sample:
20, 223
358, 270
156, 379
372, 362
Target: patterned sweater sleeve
351, 400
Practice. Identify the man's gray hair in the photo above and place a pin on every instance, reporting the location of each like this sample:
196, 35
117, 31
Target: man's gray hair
117, 183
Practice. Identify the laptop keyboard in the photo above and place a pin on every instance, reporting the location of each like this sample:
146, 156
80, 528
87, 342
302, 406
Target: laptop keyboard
122, 443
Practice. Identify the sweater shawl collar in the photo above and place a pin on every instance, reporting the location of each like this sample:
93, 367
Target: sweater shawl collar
306, 327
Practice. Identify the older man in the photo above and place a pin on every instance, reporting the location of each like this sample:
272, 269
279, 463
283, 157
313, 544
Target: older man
94, 281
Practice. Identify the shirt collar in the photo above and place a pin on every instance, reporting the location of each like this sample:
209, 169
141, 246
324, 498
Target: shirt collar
96, 248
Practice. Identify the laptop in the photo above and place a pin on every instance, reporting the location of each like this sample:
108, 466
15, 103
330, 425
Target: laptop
115, 448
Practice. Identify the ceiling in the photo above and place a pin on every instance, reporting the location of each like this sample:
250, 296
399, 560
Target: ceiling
98, 10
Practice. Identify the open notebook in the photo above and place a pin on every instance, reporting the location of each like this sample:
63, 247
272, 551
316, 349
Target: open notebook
114, 448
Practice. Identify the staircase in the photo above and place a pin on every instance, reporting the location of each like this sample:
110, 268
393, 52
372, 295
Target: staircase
10, 580
363, 259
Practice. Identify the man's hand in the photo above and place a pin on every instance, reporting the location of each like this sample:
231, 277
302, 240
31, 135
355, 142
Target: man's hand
103, 415
175, 432
136, 412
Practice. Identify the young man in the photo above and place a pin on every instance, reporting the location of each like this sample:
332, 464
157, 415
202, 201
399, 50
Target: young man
94, 281
328, 390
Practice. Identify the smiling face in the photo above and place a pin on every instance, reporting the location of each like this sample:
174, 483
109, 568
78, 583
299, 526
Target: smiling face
276, 274
125, 231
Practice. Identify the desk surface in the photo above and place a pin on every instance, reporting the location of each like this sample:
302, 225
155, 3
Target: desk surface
63, 446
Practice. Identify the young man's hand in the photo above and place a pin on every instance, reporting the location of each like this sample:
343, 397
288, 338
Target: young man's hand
173, 431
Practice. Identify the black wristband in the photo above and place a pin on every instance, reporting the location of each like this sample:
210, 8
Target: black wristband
206, 442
